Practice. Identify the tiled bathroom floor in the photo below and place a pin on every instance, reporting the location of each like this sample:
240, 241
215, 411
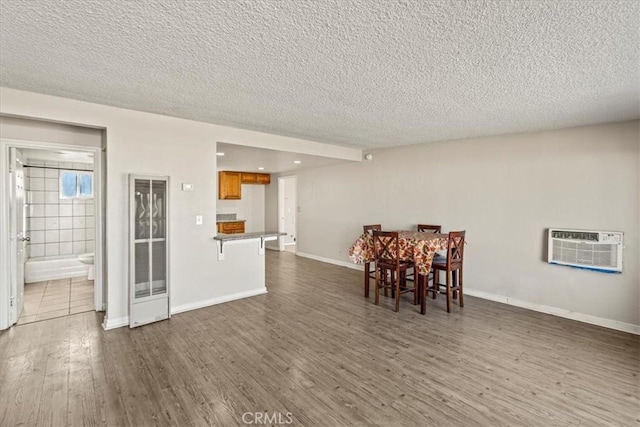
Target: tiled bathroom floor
56, 298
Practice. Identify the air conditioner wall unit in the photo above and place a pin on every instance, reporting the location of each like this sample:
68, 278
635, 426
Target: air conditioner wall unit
586, 249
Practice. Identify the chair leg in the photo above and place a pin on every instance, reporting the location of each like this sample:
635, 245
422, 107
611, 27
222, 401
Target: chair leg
455, 283
424, 282
377, 285
386, 292
436, 283
366, 279
397, 287
416, 286
448, 292
460, 285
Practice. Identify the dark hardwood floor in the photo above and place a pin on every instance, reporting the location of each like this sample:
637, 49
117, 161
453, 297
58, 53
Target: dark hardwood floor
314, 348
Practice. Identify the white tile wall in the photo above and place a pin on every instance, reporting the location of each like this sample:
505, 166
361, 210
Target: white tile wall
35, 224
51, 210
66, 235
37, 237
51, 197
52, 223
36, 250
51, 184
66, 222
66, 210
36, 184
51, 249
66, 248
79, 247
36, 197
56, 226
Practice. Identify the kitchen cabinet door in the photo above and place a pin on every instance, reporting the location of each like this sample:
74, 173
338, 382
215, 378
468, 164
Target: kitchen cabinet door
249, 178
229, 185
231, 227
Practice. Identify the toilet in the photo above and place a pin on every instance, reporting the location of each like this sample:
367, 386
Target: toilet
88, 259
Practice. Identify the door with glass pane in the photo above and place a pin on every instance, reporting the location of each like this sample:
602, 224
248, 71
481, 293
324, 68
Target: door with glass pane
149, 268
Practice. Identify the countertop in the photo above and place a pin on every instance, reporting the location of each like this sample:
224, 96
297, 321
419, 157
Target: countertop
218, 221
242, 236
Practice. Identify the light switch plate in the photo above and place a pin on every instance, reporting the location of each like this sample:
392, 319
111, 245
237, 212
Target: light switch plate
187, 186
198, 219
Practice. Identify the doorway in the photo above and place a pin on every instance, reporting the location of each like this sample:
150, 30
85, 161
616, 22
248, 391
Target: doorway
52, 244
287, 212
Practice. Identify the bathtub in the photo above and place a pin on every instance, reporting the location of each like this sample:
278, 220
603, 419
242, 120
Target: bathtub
39, 269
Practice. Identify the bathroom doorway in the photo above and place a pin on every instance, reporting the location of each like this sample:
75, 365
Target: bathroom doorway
287, 212
53, 244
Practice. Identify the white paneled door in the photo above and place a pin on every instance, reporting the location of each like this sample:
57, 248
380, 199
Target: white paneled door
17, 233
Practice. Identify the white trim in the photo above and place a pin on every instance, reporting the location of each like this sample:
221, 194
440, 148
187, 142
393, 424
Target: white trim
124, 321
332, 261
218, 300
281, 195
118, 322
560, 312
5, 252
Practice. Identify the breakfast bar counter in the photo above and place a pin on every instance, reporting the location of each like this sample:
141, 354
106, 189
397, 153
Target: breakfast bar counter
260, 237
266, 235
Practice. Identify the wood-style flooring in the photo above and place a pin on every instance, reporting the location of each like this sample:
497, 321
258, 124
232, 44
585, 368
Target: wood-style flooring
314, 348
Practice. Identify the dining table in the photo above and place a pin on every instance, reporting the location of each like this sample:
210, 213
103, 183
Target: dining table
415, 246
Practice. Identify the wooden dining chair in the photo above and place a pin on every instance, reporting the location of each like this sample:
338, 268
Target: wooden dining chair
452, 265
368, 272
430, 228
426, 228
390, 270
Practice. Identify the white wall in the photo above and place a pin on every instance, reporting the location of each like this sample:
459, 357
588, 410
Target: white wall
37, 130
146, 143
250, 207
505, 191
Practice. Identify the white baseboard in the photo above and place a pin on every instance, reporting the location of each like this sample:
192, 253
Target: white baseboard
219, 300
124, 321
118, 322
560, 312
332, 261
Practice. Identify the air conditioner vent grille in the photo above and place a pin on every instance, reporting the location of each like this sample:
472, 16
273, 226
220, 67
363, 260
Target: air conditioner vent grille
575, 235
586, 249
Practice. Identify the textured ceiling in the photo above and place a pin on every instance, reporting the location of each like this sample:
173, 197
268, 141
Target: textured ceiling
362, 73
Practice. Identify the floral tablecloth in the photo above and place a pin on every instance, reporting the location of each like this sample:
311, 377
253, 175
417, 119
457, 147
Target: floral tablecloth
419, 247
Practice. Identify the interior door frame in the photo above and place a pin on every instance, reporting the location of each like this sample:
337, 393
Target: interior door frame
281, 227
5, 244
15, 243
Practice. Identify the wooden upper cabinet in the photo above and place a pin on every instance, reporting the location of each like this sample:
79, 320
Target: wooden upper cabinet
255, 178
249, 177
229, 185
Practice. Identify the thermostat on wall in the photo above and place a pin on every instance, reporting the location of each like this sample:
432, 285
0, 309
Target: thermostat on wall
187, 186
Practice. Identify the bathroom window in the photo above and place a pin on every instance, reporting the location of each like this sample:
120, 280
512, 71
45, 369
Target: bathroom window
76, 185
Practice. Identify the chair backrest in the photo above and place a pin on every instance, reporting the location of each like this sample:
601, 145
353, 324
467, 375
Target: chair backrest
430, 228
370, 228
455, 254
386, 247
